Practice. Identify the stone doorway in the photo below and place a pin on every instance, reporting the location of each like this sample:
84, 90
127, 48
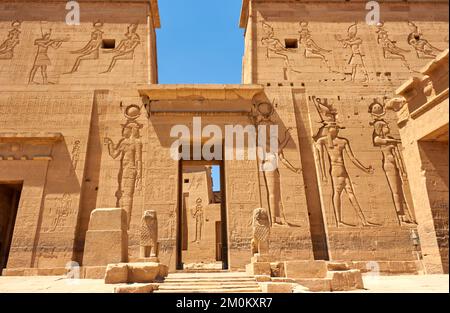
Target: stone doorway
201, 235
9, 203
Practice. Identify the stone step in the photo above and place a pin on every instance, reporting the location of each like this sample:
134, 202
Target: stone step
231, 290
205, 286
203, 280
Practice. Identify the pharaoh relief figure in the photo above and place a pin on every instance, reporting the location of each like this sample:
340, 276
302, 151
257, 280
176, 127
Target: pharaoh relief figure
198, 216
42, 61
261, 232
390, 48
312, 49
149, 235
356, 60
332, 146
91, 51
424, 49
129, 152
12, 40
262, 116
393, 165
125, 49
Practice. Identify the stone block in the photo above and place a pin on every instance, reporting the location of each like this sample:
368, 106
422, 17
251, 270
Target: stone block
337, 266
145, 272
136, 288
346, 280
108, 219
316, 284
263, 278
271, 287
263, 258
305, 269
277, 269
94, 272
260, 268
116, 273
106, 246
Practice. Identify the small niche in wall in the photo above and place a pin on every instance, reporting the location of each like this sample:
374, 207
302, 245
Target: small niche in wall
108, 43
291, 43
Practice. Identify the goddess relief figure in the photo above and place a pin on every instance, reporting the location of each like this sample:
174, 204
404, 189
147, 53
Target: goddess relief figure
261, 231
129, 150
393, 168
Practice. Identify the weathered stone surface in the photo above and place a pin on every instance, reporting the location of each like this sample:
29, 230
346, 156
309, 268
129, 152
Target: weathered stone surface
263, 278
94, 272
346, 280
337, 266
305, 269
260, 268
116, 273
316, 284
109, 245
145, 272
273, 287
136, 288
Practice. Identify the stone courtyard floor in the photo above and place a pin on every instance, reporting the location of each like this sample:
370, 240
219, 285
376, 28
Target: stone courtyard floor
373, 284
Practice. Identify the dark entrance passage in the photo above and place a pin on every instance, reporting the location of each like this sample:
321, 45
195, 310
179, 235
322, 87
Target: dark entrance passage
9, 202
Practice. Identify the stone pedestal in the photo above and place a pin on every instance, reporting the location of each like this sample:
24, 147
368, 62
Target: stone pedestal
107, 238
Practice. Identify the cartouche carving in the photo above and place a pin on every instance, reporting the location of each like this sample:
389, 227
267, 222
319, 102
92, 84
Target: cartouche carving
125, 49
392, 162
312, 49
261, 231
129, 150
42, 61
149, 235
11, 41
354, 42
390, 49
91, 51
424, 49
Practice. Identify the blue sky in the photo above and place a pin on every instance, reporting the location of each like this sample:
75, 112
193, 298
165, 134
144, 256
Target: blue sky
200, 42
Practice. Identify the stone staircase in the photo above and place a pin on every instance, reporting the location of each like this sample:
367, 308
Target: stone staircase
209, 282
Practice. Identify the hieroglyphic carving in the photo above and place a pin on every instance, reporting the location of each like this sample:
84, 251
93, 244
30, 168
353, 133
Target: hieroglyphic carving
91, 51
262, 116
390, 48
149, 235
393, 165
261, 231
60, 209
75, 155
312, 49
125, 49
11, 41
328, 141
197, 214
424, 49
129, 149
356, 60
42, 61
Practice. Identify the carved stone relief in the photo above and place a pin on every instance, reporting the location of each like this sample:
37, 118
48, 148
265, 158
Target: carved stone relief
356, 60
60, 210
262, 115
125, 49
393, 166
312, 49
390, 48
129, 152
423, 48
198, 215
329, 145
12, 40
42, 61
91, 51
